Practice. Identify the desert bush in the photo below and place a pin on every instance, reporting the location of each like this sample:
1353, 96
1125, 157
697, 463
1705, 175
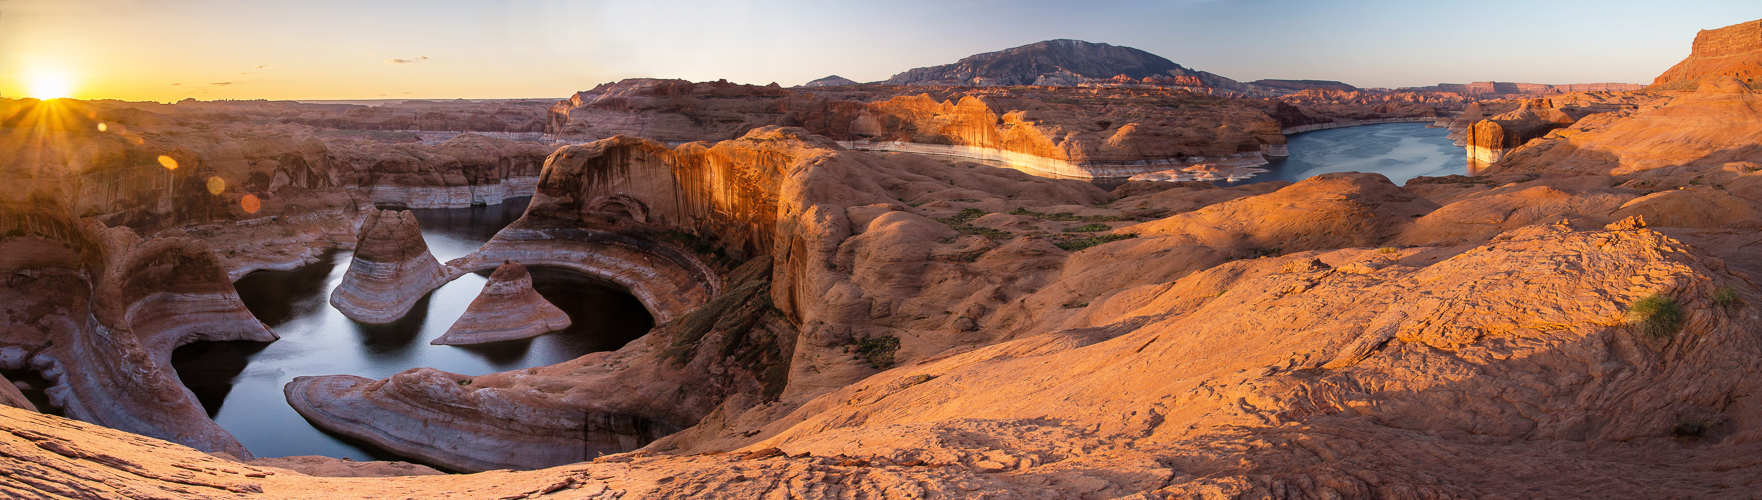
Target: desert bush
1725, 296
1656, 316
1082, 243
1089, 228
878, 351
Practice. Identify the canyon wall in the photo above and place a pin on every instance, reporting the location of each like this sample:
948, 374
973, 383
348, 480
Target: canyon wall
1733, 51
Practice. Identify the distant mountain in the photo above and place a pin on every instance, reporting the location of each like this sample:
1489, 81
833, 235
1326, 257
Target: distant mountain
1065, 63
830, 81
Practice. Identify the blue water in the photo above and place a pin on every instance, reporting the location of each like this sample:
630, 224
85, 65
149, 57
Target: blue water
1399, 151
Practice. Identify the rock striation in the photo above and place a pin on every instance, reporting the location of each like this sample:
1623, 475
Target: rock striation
391, 270
507, 309
1733, 51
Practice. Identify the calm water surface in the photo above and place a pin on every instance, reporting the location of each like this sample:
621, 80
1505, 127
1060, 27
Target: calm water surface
1399, 151
240, 383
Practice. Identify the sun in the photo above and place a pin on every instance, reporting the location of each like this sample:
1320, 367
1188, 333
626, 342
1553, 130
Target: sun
49, 85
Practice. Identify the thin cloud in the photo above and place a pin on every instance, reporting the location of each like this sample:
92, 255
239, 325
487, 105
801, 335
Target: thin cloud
266, 66
407, 61
221, 84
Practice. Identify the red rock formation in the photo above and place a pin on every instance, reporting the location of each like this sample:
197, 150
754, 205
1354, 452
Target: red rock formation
1733, 51
98, 312
392, 269
507, 309
1488, 140
1716, 124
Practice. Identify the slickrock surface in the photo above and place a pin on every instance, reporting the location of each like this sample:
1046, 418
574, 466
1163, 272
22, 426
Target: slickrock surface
507, 309
391, 270
1718, 123
1733, 51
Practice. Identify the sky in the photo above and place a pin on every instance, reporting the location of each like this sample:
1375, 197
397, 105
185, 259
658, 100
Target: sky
167, 50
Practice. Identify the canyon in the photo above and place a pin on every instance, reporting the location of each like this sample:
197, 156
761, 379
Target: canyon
912, 290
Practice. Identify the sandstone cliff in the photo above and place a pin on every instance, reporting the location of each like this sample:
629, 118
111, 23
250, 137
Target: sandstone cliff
1733, 51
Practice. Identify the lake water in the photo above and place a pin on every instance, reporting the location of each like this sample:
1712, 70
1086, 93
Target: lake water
1399, 151
240, 383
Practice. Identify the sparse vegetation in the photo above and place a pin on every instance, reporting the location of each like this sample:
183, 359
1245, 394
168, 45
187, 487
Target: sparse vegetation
1082, 243
962, 222
1692, 428
465, 381
878, 351
1389, 251
1070, 217
1076, 306
1089, 228
1725, 296
1656, 316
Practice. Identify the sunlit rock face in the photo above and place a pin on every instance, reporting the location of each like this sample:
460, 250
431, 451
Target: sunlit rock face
97, 312
1720, 122
507, 309
392, 269
1733, 51
1488, 140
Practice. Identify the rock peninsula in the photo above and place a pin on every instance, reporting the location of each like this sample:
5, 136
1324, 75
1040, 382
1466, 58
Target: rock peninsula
507, 309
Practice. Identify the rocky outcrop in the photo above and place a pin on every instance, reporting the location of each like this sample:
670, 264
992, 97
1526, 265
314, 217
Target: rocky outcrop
1715, 125
1508, 90
830, 81
1733, 51
466, 170
507, 309
97, 312
391, 270
1488, 140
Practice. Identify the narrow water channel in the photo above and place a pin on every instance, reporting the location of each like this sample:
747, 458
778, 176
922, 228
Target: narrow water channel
240, 383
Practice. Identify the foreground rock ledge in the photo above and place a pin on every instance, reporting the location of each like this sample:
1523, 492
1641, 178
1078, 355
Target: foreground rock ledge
507, 309
391, 271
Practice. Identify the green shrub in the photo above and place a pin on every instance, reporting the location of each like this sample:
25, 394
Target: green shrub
1388, 250
1656, 316
962, 223
1082, 243
878, 351
1089, 228
1725, 296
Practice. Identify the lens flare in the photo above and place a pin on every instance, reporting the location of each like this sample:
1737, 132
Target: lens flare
103, 127
251, 204
167, 162
216, 185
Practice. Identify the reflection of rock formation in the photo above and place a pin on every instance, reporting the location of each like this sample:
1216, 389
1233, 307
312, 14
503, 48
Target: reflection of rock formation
392, 269
507, 309
1733, 51
98, 312
1489, 139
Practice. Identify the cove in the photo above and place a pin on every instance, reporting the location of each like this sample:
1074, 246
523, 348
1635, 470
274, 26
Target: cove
1399, 151
240, 383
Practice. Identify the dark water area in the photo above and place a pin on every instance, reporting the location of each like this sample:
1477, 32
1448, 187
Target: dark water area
1399, 151
240, 383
